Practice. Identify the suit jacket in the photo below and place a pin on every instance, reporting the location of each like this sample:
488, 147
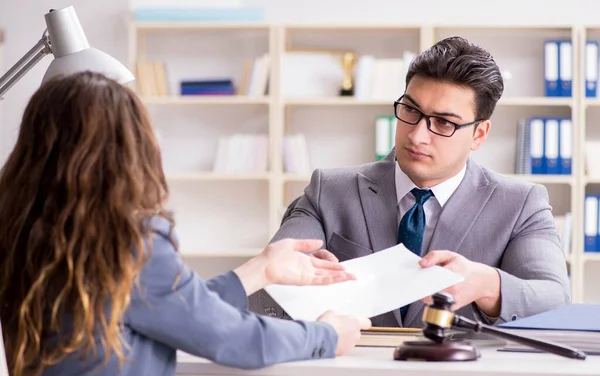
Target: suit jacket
491, 219
175, 309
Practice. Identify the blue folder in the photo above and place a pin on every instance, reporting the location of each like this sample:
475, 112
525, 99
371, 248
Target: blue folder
574, 317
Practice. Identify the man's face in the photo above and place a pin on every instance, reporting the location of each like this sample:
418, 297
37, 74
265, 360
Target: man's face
425, 157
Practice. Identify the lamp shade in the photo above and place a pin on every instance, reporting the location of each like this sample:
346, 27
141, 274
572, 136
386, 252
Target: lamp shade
72, 52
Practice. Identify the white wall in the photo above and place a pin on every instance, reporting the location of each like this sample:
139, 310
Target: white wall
23, 23
103, 22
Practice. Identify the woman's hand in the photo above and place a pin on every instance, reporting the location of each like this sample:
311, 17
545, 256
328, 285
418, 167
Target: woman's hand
287, 262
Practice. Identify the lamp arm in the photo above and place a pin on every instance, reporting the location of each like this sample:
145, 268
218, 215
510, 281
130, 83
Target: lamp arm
24, 65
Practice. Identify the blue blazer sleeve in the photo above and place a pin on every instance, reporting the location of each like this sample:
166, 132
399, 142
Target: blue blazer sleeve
176, 307
229, 288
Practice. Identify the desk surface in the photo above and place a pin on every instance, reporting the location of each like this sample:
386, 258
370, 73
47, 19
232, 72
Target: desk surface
373, 361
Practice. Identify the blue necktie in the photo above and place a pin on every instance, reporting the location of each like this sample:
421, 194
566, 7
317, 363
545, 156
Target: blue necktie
412, 227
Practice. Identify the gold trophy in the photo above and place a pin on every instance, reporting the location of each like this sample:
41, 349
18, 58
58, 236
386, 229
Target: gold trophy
348, 60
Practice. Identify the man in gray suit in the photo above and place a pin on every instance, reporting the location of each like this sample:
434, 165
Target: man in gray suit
430, 196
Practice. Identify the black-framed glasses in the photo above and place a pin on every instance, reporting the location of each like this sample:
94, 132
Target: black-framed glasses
435, 124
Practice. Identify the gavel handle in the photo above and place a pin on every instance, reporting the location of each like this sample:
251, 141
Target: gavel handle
546, 346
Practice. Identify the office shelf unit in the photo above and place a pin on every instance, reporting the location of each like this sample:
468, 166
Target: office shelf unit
589, 113
231, 217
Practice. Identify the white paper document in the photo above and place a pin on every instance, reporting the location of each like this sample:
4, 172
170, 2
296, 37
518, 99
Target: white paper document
385, 281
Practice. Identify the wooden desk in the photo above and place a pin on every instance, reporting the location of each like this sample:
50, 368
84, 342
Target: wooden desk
370, 361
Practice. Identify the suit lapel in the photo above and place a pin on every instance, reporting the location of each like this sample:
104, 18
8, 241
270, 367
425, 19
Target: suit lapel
378, 200
456, 219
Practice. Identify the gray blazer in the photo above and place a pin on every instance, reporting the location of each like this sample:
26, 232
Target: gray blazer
204, 318
491, 219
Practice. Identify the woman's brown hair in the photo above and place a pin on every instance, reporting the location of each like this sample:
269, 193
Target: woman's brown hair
83, 178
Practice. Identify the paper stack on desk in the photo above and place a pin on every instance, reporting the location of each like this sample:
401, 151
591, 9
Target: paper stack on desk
385, 281
389, 337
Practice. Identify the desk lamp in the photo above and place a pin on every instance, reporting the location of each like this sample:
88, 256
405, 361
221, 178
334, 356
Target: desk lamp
65, 39
438, 318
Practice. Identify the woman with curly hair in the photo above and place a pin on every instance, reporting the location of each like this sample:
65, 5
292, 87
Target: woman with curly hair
91, 280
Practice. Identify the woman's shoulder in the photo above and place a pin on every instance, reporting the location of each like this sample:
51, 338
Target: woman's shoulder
161, 229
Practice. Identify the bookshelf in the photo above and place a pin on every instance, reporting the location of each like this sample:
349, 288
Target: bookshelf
589, 112
224, 218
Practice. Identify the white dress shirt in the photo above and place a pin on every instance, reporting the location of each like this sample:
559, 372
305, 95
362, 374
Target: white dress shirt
433, 206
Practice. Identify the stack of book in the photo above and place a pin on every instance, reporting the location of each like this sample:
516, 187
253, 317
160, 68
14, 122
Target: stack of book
389, 337
295, 154
153, 80
381, 78
245, 153
207, 87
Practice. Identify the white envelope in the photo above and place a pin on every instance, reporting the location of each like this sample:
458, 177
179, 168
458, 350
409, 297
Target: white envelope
385, 281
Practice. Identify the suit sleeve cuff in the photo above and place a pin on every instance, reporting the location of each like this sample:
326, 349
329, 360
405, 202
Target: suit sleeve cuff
484, 317
323, 339
229, 288
510, 294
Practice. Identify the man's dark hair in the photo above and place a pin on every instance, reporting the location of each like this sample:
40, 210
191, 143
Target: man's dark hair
456, 60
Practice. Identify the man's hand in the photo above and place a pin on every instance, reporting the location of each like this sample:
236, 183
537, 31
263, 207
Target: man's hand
287, 262
481, 284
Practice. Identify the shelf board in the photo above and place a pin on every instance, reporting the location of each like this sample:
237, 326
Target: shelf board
592, 180
214, 253
591, 256
337, 101
351, 101
211, 176
504, 26
544, 179
206, 25
352, 26
592, 102
296, 178
205, 100
535, 101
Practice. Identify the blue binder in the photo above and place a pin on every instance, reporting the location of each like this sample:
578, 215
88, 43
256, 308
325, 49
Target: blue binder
565, 66
536, 145
552, 68
590, 223
573, 317
565, 145
598, 223
591, 68
597, 248
551, 146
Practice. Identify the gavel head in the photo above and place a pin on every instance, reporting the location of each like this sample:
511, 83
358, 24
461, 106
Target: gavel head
438, 317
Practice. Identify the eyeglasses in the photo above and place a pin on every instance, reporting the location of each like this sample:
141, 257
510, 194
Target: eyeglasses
435, 124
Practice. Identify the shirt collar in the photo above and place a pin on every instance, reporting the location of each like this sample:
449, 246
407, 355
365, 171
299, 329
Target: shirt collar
441, 191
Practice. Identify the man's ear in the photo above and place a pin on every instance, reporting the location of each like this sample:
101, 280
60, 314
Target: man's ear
480, 134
